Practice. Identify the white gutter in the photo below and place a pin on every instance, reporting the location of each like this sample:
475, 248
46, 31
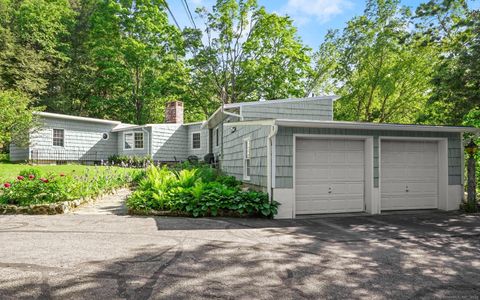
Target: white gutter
355, 125
271, 160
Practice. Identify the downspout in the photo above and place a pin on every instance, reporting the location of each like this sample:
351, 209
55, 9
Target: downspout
271, 160
149, 149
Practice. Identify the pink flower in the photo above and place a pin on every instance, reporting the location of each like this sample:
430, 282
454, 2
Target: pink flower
31, 176
7, 185
44, 180
20, 178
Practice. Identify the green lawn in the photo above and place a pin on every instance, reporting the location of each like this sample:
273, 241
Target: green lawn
9, 171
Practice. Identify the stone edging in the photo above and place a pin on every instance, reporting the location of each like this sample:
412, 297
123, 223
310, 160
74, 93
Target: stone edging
50, 208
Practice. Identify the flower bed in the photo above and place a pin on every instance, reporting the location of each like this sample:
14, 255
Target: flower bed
32, 187
196, 191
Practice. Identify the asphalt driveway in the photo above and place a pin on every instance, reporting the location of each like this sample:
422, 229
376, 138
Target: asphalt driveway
404, 256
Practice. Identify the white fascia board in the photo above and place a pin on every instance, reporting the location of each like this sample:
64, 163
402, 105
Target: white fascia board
75, 118
276, 101
354, 125
372, 126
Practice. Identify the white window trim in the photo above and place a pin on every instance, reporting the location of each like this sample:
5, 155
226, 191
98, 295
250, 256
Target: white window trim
133, 148
191, 140
53, 129
244, 158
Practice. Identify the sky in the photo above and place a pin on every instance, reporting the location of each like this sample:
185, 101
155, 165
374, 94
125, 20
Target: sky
313, 18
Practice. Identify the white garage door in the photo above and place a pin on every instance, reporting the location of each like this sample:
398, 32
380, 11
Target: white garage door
329, 175
409, 175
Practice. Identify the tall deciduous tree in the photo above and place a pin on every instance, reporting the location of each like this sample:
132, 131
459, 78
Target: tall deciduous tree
137, 57
245, 54
454, 29
380, 70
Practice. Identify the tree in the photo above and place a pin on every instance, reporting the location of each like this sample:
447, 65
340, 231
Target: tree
380, 70
456, 80
245, 54
16, 118
136, 57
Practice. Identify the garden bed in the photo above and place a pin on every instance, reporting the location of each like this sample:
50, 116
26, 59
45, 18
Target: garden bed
34, 192
196, 191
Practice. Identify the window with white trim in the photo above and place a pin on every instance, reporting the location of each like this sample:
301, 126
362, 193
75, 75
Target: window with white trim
132, 140
196, 140
246, 159
128, 140
59, 137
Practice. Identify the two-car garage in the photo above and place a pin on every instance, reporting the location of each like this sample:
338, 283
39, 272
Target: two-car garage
334, 174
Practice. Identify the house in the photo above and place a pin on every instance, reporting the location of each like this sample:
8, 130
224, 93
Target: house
290, 148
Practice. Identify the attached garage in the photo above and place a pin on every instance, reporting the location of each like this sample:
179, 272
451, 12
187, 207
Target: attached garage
409, 174
329, 175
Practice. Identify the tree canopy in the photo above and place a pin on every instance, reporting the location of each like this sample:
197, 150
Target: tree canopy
124, 59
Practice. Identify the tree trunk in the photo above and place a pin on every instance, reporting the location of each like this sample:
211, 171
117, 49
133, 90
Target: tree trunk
471, 184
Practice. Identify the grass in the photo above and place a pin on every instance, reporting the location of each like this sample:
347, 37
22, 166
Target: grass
9, 171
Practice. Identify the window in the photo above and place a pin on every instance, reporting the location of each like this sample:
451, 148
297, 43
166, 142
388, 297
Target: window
59, 137
196, 140
133, 140
217, 137
246, 159
128, 140
138, 140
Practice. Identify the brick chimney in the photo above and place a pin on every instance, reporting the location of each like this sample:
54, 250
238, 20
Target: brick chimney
174, 112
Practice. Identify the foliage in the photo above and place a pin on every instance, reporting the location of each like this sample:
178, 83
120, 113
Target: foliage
33, 186
380, 71
245, 54
197, 191
16, 118
454, 30
129, 161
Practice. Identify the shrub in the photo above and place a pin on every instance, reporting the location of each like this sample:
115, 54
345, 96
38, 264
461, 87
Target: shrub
130, 161
198, 191
34, 187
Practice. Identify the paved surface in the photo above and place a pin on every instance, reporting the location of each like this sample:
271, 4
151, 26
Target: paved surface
113, 204
402, 256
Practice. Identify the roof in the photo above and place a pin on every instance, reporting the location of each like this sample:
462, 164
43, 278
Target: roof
288, 100
75, 118
355, 125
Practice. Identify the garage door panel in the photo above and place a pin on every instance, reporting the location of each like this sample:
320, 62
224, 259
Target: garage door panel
409, 175
334, 180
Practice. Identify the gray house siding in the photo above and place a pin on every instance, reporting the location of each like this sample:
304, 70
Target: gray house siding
217, 149
320, 110
284, 150
232, 163
169, 142
82, 140
147, 132
18, 154
204, 140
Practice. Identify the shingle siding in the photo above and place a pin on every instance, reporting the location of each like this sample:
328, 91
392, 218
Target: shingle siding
82, 140
232, 163
284, 150
18, 154
320, 110
169, 142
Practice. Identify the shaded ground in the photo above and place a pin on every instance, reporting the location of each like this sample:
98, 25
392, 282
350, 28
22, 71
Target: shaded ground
402, 256
107, 204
